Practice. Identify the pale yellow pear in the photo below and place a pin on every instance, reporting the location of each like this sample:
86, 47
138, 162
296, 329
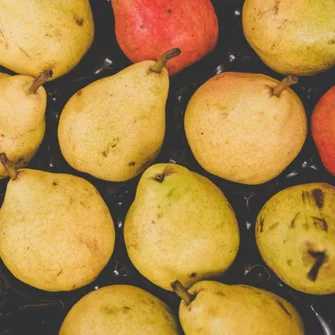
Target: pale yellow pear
22, 117
213, 308
114, 127
56, 231
292, 37
245, 127
180, 225
295, 234
120, 310
38, 34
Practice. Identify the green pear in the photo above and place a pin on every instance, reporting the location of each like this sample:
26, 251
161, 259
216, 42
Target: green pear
292, 37
56, 231
295, 234
114, 127
213, 308
22, 116
122, 310
245, 127
36, 35
180, 225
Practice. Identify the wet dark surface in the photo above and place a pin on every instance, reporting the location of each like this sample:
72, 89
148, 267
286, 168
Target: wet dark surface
24, 310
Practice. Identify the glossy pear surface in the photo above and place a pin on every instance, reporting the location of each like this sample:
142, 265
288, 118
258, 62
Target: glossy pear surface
292, 37
295, 234
22, 119
56, 231
237, 309
180, 226
114, 127
36, 35
238, 130
122, 310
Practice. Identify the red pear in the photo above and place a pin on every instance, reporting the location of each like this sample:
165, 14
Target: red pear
146, 28
323, 129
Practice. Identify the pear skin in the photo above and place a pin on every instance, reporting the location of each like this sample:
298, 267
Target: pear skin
121, 309
35, 35
214, 308
292, 37
180, 225
295, 234
244, 127
22, 117
56, 231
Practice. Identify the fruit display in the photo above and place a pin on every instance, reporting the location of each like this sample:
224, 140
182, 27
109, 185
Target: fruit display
167, 167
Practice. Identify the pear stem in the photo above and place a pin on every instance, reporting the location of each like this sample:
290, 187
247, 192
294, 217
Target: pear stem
181, 291
9, 166
160, 63
39, 81
284, 84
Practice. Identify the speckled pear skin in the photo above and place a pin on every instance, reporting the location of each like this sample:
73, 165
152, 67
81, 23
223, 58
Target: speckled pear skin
180, 227
295, 234
238, 309
56, 231
292, 37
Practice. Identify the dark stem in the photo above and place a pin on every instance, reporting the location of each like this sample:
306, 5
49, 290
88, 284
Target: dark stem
320, 258
39, 81
158, 66
9, 166
181, 291
284, 84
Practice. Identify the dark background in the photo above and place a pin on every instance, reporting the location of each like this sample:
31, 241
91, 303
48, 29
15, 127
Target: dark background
24, 310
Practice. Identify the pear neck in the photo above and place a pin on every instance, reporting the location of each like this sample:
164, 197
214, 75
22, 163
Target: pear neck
181, 291
284, 84
9, 166
39, 81
160, 63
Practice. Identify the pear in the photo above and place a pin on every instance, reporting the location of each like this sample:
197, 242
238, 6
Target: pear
36, 35
295, 234
180, 225
213, 308
245, 127
114, 127
292, 37
22, 116
122, 310
56, 231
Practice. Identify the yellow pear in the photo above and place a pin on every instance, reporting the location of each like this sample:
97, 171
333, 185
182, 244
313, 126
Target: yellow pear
213, 308
121, 310
245, 127
56, 232
36, 35
180, 225
22, 116
114, 127
292, 37
295, 234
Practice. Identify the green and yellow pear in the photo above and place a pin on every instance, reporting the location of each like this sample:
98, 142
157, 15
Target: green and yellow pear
23, 103
245, 127
36, 35
56, 232
114, 127
180, 225
122, 310
213, 308
292, 37
295, 234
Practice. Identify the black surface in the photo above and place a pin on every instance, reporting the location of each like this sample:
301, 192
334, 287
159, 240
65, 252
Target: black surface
24, 310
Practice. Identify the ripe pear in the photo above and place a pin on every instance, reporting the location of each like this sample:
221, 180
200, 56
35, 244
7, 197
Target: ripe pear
245, 127
56, 231
122, 310
180, 225
292, 37
36, 35
295, 234
114, 127
213, 308
23, 102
